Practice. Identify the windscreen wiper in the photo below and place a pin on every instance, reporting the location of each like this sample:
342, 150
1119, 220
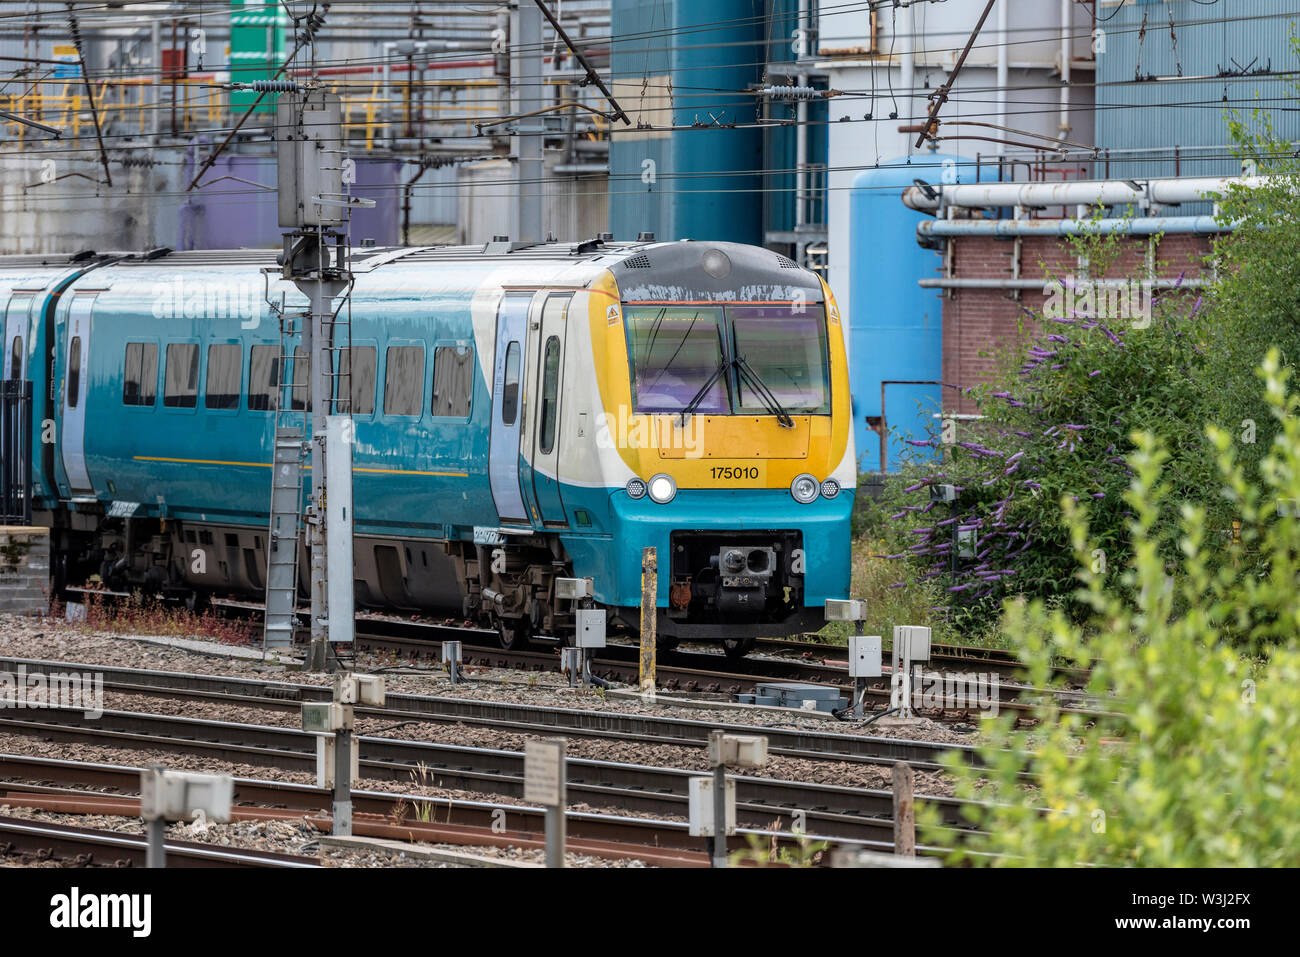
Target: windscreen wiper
760, 388
698, 399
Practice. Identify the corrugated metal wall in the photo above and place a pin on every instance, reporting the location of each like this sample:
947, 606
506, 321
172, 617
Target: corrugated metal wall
1156, 116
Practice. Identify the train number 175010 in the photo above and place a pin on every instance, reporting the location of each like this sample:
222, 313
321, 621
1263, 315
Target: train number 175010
729, 473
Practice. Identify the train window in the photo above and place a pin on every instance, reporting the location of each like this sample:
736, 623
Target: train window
550, 395
74, 372
404, 380
140, 382
181, 379
510, 390
225, 362
676, 351
16, 359
361, 373
453, 380
785, 356
263, 377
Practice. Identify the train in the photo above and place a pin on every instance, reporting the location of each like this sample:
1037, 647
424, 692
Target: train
522, 413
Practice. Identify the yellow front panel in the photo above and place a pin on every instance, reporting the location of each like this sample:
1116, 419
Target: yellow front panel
698, 454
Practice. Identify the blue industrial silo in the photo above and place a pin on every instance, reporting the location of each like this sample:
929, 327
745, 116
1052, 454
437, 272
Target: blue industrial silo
895, 326
703, 179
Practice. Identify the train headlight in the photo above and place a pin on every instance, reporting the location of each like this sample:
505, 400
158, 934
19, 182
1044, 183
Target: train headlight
663, 488
830, 488
636, 488
804, 488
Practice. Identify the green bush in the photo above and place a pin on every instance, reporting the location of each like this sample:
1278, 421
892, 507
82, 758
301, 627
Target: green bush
1057, 421
1200, 766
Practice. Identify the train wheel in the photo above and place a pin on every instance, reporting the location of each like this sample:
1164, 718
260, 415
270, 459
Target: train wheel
737, 648
666, 644
515, 633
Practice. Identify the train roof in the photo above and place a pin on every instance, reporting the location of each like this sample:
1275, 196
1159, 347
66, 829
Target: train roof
645, 270
589, 249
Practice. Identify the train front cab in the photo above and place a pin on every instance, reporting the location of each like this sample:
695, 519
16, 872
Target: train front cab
725, 391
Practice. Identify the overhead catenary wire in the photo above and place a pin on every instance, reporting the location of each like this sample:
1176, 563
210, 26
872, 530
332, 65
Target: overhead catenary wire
955, 98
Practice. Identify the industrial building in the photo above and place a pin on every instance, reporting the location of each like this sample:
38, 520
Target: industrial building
791, 124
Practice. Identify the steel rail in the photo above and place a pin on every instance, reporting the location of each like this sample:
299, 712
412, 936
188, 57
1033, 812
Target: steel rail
85, 844
829, 810
600, 832
657, 729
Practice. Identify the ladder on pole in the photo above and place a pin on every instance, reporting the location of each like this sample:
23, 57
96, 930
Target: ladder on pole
280, 622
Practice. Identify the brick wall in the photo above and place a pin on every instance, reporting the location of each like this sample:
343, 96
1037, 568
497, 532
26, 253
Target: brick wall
24, 570
980, 322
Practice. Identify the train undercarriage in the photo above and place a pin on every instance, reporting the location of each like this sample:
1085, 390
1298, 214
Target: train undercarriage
725, 587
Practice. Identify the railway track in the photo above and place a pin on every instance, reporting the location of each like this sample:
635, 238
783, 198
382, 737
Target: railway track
830, 811
516, 716
698, 671
88, 847
701, 671
62, 784
948, 657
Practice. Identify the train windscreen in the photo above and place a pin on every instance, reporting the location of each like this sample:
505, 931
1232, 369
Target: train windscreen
784, 346
676, 351
741, 359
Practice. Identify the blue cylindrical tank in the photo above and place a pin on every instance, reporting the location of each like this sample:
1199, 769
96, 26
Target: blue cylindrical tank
702, 180
895, 326
717, 48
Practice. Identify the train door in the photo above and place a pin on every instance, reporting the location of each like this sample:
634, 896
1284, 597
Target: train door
16, 331
547, 436
507, 407
76, 384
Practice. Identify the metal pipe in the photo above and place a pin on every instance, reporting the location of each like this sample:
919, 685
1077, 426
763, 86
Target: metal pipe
801, 129
526, 81
1065, 68
1079, 192
906, 44
1004, 71
1146, 226
1008, 284
386, 83
155, 88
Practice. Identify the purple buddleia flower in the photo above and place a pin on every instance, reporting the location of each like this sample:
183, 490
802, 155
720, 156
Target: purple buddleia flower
1094, 372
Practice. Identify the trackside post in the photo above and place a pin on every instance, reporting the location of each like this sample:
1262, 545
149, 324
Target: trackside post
649, 614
